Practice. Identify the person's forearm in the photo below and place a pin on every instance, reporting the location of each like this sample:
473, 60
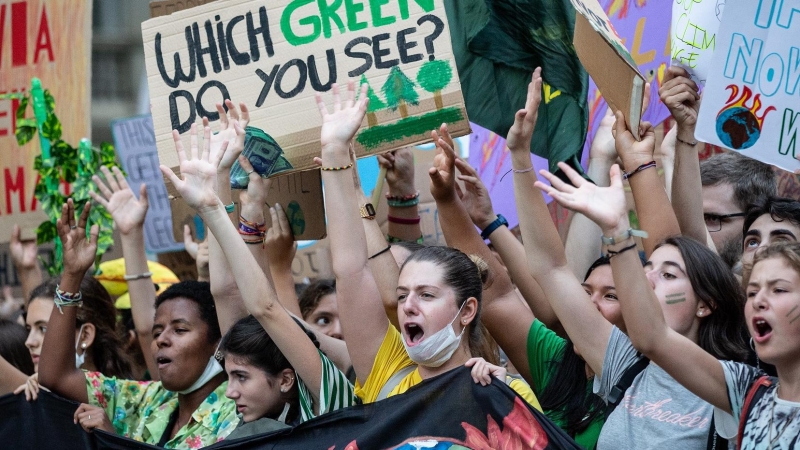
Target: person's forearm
223, 189
686, 187
142, 293
382, 264
512, 252
653, 208
283, 281
57, 370
10, 377
582, 244
29, 279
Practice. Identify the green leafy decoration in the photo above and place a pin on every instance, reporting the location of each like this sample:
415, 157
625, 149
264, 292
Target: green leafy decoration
68, 165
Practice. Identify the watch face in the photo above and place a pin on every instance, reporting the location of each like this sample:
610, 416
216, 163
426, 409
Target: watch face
370, 209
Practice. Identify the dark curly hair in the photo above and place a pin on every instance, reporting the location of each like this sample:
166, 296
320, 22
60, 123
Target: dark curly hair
107, 350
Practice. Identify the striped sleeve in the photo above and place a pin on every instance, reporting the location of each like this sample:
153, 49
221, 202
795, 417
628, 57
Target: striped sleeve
335, 391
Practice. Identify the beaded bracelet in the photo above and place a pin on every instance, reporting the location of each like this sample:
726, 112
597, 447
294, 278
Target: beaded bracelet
403, 203
404, 220
64, 298
335, 169
402, 198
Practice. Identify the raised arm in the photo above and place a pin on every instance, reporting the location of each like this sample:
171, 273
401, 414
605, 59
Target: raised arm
479, 205
24, 254
684, 360
679, 94
281, 248
11, 378
583, 237
128, 213
403, 195
197, 189
364, 322
503, 314
57, 370
546, 258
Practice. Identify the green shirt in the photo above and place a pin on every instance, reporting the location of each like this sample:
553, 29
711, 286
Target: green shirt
141, 410
544, 347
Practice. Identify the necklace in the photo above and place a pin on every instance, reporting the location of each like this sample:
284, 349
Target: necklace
772, 416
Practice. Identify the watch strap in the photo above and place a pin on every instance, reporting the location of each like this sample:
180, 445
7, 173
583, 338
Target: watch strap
500, 221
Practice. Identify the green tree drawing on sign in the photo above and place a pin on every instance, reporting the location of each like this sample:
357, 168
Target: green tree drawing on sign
399, 91
375, 102
433, 76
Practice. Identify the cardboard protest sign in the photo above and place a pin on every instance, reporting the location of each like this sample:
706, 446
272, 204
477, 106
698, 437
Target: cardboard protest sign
751, 103
50, 40
136, 148
274, 56
608, 62
642, 28
694, 35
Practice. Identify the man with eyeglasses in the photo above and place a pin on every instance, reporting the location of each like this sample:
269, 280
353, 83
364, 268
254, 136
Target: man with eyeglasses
732, 182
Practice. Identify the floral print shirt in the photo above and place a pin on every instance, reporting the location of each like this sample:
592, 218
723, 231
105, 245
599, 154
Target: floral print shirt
141, 410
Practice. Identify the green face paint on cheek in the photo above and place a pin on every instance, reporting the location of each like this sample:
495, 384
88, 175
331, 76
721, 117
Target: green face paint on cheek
676, 298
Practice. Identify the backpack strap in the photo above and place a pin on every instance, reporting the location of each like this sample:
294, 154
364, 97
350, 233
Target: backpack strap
756, 391
625, 381
394, 381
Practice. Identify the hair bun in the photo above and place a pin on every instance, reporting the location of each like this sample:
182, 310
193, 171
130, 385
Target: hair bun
483, 267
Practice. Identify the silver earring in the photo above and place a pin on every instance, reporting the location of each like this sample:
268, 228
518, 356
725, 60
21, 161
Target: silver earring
83, 346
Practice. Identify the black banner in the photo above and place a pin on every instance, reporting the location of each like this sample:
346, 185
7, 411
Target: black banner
446, 412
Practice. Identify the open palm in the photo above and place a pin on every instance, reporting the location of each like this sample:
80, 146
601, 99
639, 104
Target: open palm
606, 206
79, 252
443, 172
232, 130
198, 171
117, 197
340, 126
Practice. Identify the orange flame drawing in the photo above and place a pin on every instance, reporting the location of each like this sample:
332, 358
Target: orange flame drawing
741, 101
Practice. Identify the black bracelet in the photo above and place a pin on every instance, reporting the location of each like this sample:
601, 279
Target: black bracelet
612, 254
626, 175
388, 247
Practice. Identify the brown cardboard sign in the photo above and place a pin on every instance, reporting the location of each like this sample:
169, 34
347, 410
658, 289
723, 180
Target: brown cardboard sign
299, 193
608, 62
275, 55
50, 40
160, 8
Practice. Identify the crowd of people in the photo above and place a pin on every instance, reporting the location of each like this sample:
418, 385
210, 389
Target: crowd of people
683, 333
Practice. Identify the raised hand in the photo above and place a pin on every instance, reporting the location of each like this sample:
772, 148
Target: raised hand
255, 197
23, 252
483, 371
340, 126
519, 136
399, 166
30, 388
118, 199
443, 173
79, 252
475, 196
231, 129
279, 242
199, 171
679, 94
630, 150
189, 243
603, 148
605, 206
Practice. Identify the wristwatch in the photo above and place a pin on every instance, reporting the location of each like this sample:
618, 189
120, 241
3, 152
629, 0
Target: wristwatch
500, 221
630, 232
368, 211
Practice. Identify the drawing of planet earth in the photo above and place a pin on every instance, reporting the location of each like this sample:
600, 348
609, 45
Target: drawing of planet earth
738, 128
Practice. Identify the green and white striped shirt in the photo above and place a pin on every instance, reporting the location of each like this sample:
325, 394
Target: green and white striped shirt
335, 391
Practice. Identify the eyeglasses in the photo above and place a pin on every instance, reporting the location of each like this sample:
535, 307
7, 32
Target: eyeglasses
714, 221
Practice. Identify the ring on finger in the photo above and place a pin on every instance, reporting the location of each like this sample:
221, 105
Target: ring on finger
249, 172
90, 417
73, 227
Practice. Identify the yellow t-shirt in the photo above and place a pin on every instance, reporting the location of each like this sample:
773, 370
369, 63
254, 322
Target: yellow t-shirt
392, 358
